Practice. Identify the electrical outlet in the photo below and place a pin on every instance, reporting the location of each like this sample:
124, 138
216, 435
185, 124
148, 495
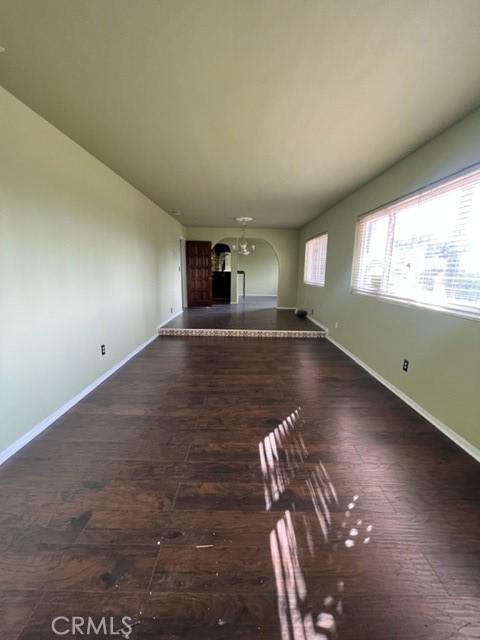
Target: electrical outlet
336, 325
406, 364
312, 313
171, 309
103, 349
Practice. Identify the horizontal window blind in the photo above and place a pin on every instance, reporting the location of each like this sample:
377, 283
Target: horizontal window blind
316, 260
424, 249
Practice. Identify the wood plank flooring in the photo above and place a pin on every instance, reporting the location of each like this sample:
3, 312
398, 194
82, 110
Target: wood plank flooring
250, 313
149, 500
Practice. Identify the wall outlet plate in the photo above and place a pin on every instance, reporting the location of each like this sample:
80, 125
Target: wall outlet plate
103, 349
405, 365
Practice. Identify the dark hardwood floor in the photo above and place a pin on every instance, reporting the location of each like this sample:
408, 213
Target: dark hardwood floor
250, 313
171, 496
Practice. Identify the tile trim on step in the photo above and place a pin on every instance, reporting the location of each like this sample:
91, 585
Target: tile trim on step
241, 333
467, 446
46, 422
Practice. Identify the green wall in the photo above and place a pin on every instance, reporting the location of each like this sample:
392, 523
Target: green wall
283, 241
444, 350
85, 260
261, 271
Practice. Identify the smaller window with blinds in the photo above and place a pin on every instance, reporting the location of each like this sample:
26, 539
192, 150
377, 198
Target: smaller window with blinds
424, 249
316, 260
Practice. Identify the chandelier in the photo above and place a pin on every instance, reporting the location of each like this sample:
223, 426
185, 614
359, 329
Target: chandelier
242, 247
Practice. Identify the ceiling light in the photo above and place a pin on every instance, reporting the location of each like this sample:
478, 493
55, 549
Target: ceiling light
2, 49
241, 246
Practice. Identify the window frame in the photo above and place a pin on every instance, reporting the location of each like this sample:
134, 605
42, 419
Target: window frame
308, 282
449, 311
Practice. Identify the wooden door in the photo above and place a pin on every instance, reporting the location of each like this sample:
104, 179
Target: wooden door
199, 273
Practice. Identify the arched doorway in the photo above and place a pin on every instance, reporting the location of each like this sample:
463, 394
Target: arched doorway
254, 277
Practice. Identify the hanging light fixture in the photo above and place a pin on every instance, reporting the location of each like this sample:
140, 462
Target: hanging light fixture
242, 247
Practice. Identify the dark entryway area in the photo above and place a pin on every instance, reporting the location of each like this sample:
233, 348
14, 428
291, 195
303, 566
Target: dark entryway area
221, 274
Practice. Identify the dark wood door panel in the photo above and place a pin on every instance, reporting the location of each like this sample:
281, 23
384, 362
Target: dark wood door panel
199, 273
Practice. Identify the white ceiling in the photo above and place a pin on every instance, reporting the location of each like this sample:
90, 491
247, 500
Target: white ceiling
222, 108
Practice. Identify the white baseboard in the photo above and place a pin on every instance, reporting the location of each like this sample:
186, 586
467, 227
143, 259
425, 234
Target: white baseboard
175, 315
317, 323
288, 308
46, 422
468, 447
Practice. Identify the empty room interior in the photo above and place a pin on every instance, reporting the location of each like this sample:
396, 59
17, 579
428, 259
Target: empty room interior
240, 319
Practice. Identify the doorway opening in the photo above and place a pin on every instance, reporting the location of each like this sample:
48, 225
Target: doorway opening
221, 273
253, 277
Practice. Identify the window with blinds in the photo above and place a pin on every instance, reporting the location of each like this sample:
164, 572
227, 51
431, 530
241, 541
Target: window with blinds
424, 249
316, 260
